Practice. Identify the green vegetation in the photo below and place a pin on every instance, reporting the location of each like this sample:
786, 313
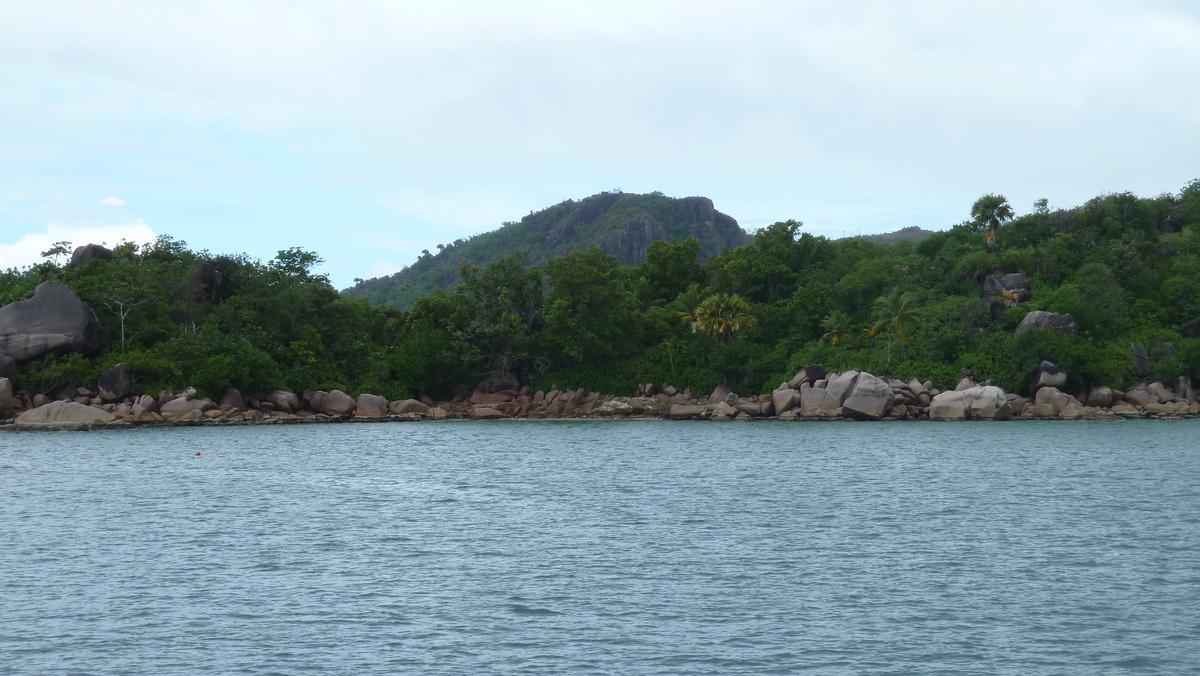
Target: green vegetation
1127, 268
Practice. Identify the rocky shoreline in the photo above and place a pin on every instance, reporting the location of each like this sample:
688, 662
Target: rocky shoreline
812, 394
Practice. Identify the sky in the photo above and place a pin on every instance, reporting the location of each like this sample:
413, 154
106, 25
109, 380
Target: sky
368, 131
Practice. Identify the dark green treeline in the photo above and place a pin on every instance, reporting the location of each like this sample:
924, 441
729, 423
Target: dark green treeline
1127, 268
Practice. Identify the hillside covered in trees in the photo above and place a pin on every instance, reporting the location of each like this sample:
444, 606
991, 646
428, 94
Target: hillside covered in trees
618, 223
1126, 269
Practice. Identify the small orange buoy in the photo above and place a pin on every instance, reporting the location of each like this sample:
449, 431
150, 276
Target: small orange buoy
197, 452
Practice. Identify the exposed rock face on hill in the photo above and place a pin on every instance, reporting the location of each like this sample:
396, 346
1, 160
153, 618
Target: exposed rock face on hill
53, 321
621, 224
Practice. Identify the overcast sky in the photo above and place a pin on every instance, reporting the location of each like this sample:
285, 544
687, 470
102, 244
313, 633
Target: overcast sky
367, 131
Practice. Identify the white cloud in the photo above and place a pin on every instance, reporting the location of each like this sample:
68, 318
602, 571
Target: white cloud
112, 201
28, 249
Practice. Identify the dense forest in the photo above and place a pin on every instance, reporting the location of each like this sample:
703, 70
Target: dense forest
1126, 268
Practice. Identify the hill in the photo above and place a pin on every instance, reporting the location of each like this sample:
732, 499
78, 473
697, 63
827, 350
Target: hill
622, 224
913, 233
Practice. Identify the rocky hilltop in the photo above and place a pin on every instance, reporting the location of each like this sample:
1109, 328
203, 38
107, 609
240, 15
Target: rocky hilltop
622, 224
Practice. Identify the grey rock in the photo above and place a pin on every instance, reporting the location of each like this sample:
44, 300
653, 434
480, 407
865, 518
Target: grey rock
989, 403
1099, 396
871, 399
686, 411
1141, 360
1015, 283
1040, 319
1048, 374
232, 398
720, 394
8, 403
180, 406
1054, 397
8, 367
63, 415
336, 403
53, 321
115, 382
370, 406
284, 400
82, 255
784, 400
815, 401
841, 385
1159, 392
408, 406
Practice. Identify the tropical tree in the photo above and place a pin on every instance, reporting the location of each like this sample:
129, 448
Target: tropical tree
837, 325
721, 315
644, 294
686, 303
897, 311
989, 213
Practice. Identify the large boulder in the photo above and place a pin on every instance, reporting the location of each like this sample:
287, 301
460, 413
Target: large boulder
1141, 359
1140, 398
808, 374
370, 406
1048, 374
8, 367
784, 400
409, 406
115, 382
53, 321
686, 412
1160, 392
975, 403
183, 405
1183, 388
818, 401
1099, 396
1015, 283
989, 403
8, 403
951, 405
63, 415
84, 254
335, 403
720, 394
871, 399
284, 401
841, 385
1040, 319
1052, 396
232, 398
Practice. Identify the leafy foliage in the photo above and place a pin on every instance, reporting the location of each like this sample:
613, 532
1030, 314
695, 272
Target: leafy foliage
1126, 267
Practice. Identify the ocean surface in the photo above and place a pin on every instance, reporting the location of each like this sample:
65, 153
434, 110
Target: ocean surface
603, 547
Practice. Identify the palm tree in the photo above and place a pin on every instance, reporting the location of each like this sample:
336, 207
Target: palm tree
723, 314
898, 312
990, 212
836, 326
644, 294
686, 303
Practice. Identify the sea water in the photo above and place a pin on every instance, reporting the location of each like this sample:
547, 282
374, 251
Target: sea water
603, 547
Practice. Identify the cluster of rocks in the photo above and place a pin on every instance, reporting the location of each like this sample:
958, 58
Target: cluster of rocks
812, 394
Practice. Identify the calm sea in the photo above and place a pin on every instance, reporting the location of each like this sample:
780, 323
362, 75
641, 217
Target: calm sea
603, 547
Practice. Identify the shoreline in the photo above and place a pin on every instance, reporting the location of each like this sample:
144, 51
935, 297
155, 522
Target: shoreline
812, 395
320, 419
